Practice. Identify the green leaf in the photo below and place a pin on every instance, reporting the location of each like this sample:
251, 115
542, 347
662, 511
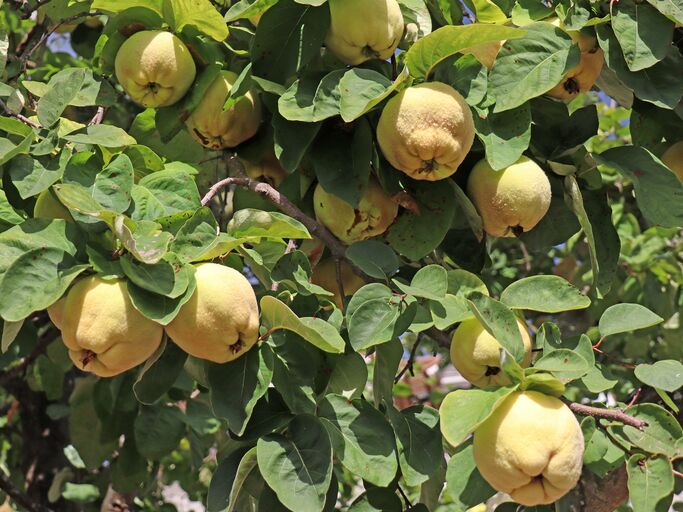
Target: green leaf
414, 235
341, 161
257, 223
564, 364
116, 6
661, 433
297, 365
528, 67
200, 14
298, 467
666, 374
196, 236
500, 321
158, 430
374, 258
164, 193
31, 177
80, 493
349, 375
671, 8
311, 98
659, 84
376, 500
506, 135
159, 308
463, 410
237, 386
658, 192
643, 34
430, 282
418, 441
247, 8
288, 38
427, 52
464, 483
61, 90
292, 140
361, 90
650, 483
144, 240
626, 318
276, 315
167, 278
104, 135
362, 438
372, 324
222, 480
548, 294
36, 280
159, 373
387, 358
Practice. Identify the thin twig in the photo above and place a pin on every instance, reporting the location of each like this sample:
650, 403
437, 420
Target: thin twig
19, 369
678, 474
340, 281
410, 362
19, 117
20, 498
405, 498
98, 117
610, 414
442, 338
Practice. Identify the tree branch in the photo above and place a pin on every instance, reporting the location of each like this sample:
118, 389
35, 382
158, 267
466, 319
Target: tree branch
22, 500
611, 414
337, 249
19, 117
19, 369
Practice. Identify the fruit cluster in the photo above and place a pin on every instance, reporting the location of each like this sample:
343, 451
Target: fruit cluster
106, 335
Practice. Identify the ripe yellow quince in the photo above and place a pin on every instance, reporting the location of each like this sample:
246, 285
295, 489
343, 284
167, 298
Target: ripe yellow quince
475, 353
267, 170
103, 331
673, 159
216, 128
325, 275
479, 508
220, 322
48, 207
155, 68
56, 312
426, 131
373, 216
361, 30
582, 77
510, 201
531, 448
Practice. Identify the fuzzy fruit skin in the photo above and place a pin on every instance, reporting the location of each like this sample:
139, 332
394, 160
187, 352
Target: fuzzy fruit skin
220, 322
56, 312
267, 170
474, 353
98, 316
426, 131
375, 213
673, 159
581, 78
531, 448
512, 200
48, 207
155, 68
361, 30
217, 129
325, 275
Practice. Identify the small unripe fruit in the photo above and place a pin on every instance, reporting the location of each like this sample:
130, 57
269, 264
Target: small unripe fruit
673, 159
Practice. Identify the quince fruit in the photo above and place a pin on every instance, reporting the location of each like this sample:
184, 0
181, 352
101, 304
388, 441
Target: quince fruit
426, 131
56, 312
510, 201
104, 333
325, 275
216, 128
531, 448
48, 207
475, 353
220, 322
155, 68
582, 77
361, 30
267, 170
373, 216
673, 159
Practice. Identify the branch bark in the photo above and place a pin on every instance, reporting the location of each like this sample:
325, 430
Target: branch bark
19, 498
19, 117
612, 414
